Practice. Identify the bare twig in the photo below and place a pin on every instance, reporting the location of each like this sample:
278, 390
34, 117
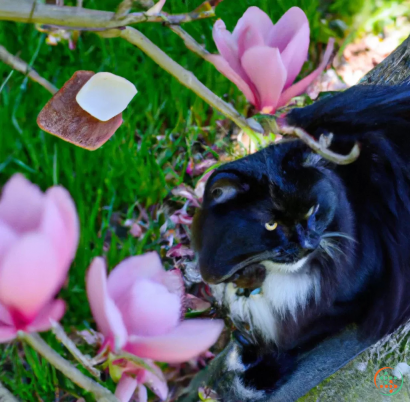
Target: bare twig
32, 11
123, 9
21, 66
189, 41
5, 395
36, 342
60, 334
321, 146
185, 77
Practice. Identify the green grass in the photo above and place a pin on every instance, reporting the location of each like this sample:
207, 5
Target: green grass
144, 160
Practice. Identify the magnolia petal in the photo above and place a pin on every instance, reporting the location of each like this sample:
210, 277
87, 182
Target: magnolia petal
155, 382
295, 54
124, 275
52, 312
21, 204
257, 18
106, 314
223, 67
30, 275
105, 95
52, 226
188, 340
142, 394
126, 388
7, 333
286, 28
227, 47
265, 68
156, 9
7, 238
249, 36
149, 309
66, 207
5, 316
303, 84
63, 116
174, 282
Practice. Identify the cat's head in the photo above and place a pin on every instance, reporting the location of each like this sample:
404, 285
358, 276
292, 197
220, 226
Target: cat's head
263, 219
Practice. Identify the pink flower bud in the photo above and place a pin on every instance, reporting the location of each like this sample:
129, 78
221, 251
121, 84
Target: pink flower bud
38, 240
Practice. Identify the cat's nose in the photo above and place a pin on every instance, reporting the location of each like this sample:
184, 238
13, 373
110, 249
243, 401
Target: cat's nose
308, 240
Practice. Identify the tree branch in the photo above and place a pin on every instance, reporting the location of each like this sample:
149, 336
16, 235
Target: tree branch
393, 70
189, 41
321, 146
32, 11
186, 78
60, 334
5, 395
21, 66
36, 342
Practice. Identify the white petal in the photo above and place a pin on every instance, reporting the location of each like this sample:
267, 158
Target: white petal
105, 95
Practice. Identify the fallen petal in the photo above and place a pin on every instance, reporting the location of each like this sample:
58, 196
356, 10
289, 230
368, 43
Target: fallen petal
188, 340
105, 95
302, 85
195, 304
180, 250
62, 116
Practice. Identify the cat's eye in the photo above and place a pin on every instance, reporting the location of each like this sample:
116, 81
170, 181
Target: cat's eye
311, 211
222, 194
271, 226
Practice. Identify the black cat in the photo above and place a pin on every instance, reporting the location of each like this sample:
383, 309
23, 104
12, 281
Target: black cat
297, 248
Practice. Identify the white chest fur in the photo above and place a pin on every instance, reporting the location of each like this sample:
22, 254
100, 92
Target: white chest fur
287, 288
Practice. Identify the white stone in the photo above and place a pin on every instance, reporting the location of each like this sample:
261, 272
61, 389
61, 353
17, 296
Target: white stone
105, 95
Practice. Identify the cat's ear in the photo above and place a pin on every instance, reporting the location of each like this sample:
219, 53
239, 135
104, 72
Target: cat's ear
224, 187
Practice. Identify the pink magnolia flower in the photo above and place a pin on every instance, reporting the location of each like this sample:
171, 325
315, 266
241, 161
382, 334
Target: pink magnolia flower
38, 240
263, 59
139, 307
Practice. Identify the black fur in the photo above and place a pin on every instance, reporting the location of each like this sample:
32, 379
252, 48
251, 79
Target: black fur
368, 282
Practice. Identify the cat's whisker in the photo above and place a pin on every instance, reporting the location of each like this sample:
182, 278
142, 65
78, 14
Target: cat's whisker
338, 234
